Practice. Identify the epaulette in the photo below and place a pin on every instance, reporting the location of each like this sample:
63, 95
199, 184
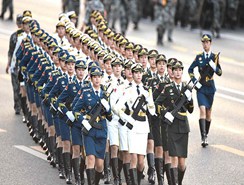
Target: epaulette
129, 86
20, 31
88, 89
145, 88
200, 53
60, 77
72, 82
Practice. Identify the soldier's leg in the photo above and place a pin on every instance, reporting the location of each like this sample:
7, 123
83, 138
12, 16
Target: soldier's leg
76, 163
150, 159
171, 23
11, 10
158, 9
216, 19
134, 13
181, 169
107, 170
99, 163
174, 170
67, 161
140, 167
16, 92
60, 158
126, 167
123, 19
115, 10
4, 8
133, 169
202, 125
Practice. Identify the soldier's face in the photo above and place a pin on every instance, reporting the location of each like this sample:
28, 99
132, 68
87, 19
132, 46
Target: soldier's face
143, 60
107, 66
26, 27
135, 54
80, 72
161, 65
170, 72
178, 72
122, 49
55, 58
117, 70
96, 81
129, 54
77, 41
62, 65
70, 67
61, 31
137, 77
73, 20
152, 62
206, 45
128, 73
111, 42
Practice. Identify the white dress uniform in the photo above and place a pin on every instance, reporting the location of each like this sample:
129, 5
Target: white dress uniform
123, 129
77, 53
113, 129
137, 136
62, 42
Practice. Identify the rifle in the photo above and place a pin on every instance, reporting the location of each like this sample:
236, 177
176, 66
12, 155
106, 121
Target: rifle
180, 103
207, 71
137, 107
98, 107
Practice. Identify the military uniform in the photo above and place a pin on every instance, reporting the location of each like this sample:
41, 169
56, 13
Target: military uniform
178, 128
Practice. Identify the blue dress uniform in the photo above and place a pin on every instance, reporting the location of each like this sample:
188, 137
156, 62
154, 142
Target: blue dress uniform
95, 140
65, 100
208, 64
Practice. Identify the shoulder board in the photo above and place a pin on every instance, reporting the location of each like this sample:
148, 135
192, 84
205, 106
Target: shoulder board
200, 53
87, 90
60, 77
146, 88
128, 87
71, 82
19, 31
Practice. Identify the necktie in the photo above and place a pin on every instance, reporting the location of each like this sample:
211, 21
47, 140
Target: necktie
162, 78
118, 81
178, 88
130, 84
138, 90
97, 93
109, 77
70, 79
78, 52
80, 83
207, 56
154, 75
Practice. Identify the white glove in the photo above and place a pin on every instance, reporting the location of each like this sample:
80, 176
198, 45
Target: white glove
86, 124
198, 85
105, 104
212, 65
60, 110
169, 117
53, 107
129, 119
188, 94
70, 115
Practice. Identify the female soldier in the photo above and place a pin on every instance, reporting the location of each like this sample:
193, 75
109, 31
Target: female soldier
138, 122
95, 139
208, 64
178, 128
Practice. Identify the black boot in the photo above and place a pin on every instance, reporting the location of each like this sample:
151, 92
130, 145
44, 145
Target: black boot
139, 176
115, 170
98, 176
37, 136
168, 174
126, 168
60, 163
208, 123
202, 125
76, 168
90, 176
133, 176
120, 167
67, 167
151, 168
24, 109
52, 140
82, 170
107, 171
174, 175
180, 176
159, 170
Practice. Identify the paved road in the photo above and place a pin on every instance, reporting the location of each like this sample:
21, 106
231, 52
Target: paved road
221, 163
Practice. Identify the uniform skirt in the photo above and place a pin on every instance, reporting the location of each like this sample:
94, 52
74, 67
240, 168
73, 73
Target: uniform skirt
204, 99
178, 144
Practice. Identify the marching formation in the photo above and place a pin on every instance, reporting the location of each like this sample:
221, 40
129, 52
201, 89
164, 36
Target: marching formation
99, 103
